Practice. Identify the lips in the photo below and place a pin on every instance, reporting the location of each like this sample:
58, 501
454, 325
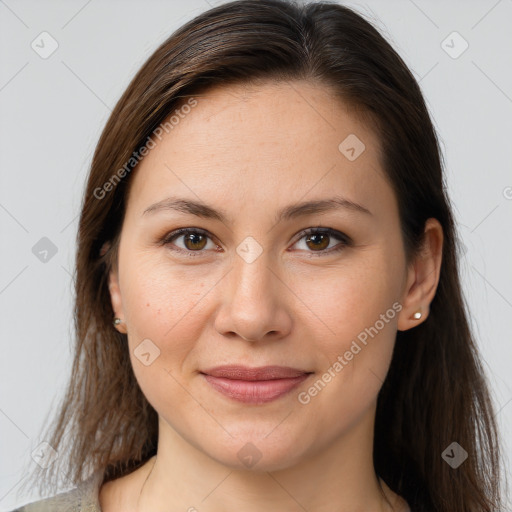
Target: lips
257, 373
254, 385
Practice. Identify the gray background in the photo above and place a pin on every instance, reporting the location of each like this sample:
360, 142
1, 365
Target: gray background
52, 111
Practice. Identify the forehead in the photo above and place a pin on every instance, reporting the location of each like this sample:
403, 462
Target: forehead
279, 111
290, 137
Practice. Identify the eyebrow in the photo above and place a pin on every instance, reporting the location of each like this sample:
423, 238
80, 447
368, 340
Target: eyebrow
290, 212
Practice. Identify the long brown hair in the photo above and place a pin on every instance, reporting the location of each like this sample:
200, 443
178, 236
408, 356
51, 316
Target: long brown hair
435, 392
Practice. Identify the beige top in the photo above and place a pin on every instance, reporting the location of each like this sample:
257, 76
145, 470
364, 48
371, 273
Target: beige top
83, 498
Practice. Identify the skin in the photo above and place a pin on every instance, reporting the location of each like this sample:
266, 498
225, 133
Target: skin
250, 151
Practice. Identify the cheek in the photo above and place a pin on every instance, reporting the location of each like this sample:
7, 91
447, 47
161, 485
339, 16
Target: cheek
359, 312
164, 303
162, 307
351, 298
164, 288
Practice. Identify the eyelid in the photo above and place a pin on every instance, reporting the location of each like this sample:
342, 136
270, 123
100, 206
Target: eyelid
321, 230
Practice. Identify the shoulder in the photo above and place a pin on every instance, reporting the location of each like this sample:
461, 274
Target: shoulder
63, 502
83, 498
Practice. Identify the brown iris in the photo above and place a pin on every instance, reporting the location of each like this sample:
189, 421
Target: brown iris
319, 240
194, 241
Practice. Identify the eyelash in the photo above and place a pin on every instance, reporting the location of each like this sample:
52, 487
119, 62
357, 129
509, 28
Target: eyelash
344, 239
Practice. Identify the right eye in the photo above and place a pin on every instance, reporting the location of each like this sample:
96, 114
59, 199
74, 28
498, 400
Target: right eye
194, 241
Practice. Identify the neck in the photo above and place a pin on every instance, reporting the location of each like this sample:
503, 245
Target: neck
340, 477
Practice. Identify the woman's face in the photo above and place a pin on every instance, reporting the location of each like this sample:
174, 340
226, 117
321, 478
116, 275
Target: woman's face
250, 286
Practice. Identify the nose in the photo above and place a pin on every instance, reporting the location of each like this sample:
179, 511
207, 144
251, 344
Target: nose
255, 302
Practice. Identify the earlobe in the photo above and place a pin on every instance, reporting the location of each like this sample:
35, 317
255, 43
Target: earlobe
116, 300
105, 248
423, 278
410, 317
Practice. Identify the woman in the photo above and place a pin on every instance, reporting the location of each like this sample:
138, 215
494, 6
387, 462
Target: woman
268, 311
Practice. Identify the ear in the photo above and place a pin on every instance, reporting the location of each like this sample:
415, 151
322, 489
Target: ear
422, 277
115, 293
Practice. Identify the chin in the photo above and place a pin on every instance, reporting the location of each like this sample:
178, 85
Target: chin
255, 453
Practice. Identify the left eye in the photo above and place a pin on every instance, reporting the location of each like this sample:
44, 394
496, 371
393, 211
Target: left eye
317, 240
